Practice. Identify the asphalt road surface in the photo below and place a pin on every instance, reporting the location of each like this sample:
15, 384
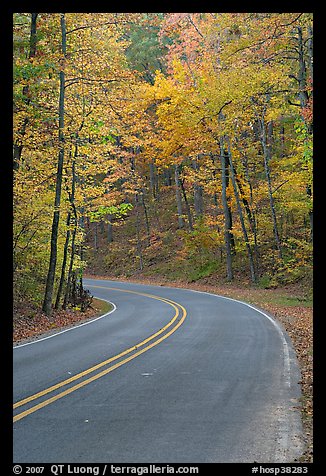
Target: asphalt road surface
169, 376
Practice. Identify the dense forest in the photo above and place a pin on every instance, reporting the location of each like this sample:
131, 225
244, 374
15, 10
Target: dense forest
161, 143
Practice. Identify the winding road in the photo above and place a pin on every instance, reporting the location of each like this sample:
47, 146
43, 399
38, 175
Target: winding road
168, 376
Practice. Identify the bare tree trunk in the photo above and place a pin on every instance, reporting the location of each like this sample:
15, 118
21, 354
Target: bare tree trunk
74, 211
303, 93
167, 177
110, 229
230, 219
178, 196
302, 72
310, 52
248, 207
64, 263
95, 236
18, 146
72, 258
198, 200
198, 194
311, 215
243, 225
226, 211
187, 206
215, 199
148, 230
139, 245
47, 303
152, 179
70, 271
267, 156
138, 234
282, 141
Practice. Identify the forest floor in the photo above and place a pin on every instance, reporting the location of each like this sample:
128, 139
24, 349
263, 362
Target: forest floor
289, 305
29, 322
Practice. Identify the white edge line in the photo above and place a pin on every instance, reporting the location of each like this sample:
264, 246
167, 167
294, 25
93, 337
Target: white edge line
287, 373
286, 353
284, 425
70, 328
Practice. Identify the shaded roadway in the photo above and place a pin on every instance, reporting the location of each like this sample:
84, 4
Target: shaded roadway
223, 387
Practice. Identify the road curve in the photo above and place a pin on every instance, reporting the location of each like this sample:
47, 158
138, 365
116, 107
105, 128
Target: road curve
171, 376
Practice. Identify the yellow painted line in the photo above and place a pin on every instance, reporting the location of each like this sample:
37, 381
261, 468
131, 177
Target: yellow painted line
111, 359
106, 371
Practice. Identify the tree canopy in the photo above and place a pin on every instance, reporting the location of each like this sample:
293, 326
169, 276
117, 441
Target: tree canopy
199, 123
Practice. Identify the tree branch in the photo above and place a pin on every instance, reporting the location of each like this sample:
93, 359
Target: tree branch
100, 80
226, 104
293, 103
193, 24
279, 186
84, 27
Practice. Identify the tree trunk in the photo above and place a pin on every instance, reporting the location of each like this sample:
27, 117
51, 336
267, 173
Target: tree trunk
148, 230
302, 73
47, 303
267, 156
198, 194
311, 215
167, 177
72, 257
215, 199
139, 245
230, 220
303, 93
18, 146
282, 141
310, 53
248, 205
95, 236
70, 271
64, 263
243, 225
198, 200
187, 206
152, 179
110, 229
227, 216
178, 196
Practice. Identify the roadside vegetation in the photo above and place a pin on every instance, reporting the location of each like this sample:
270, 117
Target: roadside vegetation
30, 323
194, 128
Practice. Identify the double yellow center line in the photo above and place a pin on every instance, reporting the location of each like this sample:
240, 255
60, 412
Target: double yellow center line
135, 351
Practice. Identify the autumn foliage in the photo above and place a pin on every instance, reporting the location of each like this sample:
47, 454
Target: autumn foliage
191, 130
